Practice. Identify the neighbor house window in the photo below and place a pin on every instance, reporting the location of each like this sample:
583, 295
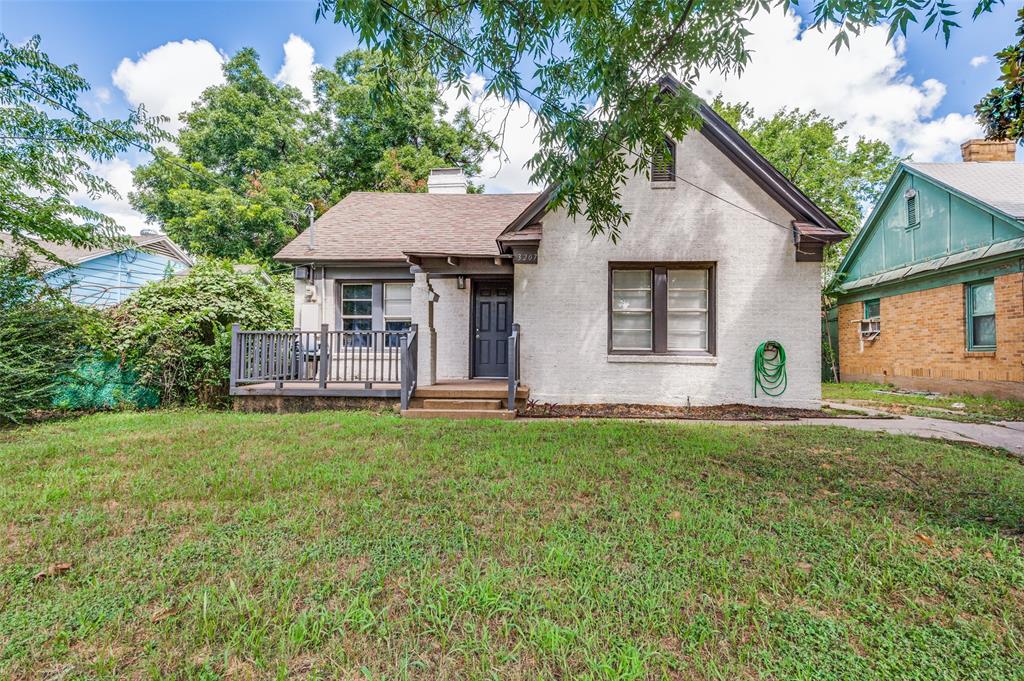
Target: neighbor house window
663, 165
661, 308
981, 316
872, 309
397, 310
357, 312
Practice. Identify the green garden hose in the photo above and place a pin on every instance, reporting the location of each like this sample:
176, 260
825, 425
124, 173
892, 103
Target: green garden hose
770, 369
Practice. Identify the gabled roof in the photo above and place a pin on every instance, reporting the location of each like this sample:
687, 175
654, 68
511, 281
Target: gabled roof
727, 140
993, 186
998, 185
76, 255
382, 226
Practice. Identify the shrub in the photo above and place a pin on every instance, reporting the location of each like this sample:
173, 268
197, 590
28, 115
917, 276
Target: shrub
177, 333
41, 336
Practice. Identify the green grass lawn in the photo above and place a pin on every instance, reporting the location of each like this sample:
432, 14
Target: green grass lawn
209, 545
975, 409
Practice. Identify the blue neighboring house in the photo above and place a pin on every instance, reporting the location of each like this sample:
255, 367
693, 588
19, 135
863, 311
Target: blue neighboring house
105, 277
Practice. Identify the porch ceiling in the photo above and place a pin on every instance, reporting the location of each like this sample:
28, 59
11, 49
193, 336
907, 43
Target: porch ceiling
459, 263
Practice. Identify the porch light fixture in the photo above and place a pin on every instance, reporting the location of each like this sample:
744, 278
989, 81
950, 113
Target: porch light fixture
461, 281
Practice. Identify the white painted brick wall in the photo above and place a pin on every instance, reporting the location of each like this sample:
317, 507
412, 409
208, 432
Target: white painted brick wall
451, 321
763, 293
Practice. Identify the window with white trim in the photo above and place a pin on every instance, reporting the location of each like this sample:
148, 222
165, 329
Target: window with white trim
397, 310
357, 312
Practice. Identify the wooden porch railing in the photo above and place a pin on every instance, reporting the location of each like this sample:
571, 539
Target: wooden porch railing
513, 367
314, 360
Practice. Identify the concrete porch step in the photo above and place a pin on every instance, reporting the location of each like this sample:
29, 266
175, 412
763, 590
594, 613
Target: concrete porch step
420, 413
471, 404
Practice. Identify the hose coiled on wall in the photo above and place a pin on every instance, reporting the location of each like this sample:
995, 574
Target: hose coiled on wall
770, 369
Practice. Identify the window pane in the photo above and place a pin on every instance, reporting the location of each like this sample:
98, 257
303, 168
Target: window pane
394, 340
687, 300
357, 291
631, 340
687, 279
984, 331
687, 331
631, 279
631, 300
631, 321
357, 307
872, 308
984, 299
357, 340
397, 308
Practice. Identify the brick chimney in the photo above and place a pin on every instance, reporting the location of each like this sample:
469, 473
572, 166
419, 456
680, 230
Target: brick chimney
988, 150
447, 181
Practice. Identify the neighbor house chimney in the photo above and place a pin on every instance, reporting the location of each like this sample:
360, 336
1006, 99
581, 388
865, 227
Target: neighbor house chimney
988, 150
447, 181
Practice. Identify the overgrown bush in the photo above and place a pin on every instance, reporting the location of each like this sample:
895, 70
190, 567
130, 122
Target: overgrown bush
41, 336
177, 333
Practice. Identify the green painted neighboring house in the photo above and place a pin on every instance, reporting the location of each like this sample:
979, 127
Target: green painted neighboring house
932, 291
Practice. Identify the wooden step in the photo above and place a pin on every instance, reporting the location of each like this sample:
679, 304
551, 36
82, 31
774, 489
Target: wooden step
503, 414
467, 390
437, 403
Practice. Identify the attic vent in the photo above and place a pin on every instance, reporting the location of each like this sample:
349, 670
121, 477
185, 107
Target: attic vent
663, 165
912, 217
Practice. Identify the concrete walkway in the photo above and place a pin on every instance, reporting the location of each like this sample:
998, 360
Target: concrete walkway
1008, 435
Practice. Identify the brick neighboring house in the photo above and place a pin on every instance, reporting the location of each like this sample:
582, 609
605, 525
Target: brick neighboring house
933, 290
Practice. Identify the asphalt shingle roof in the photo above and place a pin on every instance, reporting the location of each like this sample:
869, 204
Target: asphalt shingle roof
998, 184
382, 226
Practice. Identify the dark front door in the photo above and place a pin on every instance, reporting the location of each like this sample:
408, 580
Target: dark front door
492, 324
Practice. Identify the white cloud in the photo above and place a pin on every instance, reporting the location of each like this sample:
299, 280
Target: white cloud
514, 126
103, 95
117, 172
979, 60
169, 78
297, 69
864, 85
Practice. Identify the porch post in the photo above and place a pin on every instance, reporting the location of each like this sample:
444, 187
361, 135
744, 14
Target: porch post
423, 298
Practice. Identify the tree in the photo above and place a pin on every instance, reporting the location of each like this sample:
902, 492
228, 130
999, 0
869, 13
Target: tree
40, 338
250, 168
389, 143
47, 142
256, 154
811, 151
595, 66
1001, 111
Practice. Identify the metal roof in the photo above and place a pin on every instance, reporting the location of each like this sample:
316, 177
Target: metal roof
999, 184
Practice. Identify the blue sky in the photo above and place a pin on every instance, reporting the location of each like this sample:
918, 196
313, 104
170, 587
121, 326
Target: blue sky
917, 95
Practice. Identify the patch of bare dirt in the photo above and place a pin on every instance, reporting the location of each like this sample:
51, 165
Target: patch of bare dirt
723, 412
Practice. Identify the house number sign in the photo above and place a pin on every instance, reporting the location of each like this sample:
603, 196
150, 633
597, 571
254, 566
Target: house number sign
524, 257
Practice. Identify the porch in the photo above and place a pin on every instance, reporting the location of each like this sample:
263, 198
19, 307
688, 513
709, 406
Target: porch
365, 364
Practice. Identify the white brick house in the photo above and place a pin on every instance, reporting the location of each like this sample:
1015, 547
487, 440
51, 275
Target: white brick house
721, 254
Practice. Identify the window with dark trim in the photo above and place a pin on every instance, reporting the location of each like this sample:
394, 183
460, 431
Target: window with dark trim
663, 165
981, 315
661, 308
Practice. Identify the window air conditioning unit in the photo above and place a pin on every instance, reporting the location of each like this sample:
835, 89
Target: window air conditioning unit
870, 328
